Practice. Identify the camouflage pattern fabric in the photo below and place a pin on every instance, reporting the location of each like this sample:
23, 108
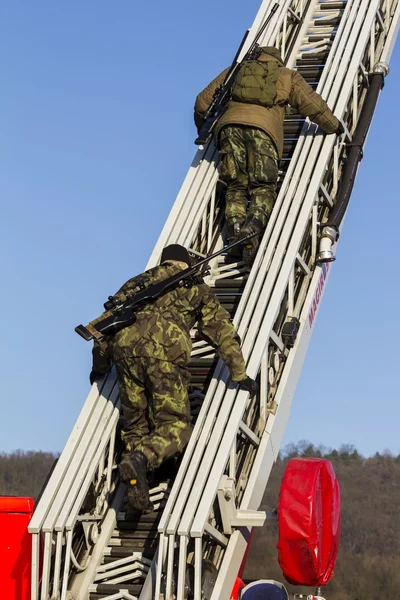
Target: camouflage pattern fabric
249, 167
155, 405
162, 328
151, 357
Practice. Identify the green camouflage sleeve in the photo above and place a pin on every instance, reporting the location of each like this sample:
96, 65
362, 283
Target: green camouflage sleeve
215, 326
101, 356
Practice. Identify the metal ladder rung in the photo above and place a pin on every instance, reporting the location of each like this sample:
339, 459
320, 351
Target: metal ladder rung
248, 433
219, 537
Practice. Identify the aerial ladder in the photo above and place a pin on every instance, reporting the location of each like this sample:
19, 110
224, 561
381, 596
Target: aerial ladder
193, 544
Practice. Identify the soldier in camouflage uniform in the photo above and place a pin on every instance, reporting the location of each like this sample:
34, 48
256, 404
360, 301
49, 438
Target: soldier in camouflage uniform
249, 137
151, 358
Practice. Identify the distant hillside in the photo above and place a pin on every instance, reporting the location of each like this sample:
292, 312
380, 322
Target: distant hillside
24, 473
368, 566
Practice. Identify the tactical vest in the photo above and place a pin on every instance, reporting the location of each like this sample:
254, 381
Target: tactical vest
256, 83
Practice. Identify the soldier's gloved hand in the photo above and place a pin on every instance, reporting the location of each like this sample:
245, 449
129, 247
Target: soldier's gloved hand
94, 376
340, 129
249, 385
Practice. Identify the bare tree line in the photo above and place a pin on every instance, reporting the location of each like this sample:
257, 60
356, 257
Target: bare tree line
368, 566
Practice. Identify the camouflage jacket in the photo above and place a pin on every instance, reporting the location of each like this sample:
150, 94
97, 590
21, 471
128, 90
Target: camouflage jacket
292, 89
162, 329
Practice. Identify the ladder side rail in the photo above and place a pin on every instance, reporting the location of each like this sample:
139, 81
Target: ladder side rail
272, 437
282, 434
55, 521
289, 188
224, 448
62, 567
268, 450
274, 29
392, 35
204, 410
66, 457
343, 44
276, 424
102, 436
179, 210
248, 315
254, 325
79, 462
82, 582
269, 447
195, 201
294, 184
35, 565
53, 497
105, 438
199, 208
294, 188
208, 184
197, 455
187, 197
291, 59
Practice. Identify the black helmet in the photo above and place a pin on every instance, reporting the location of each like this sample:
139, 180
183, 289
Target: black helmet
175, 252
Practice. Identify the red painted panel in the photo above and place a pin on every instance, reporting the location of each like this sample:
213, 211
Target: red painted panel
15, 547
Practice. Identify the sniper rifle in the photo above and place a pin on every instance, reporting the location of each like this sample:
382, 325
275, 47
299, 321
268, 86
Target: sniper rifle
120, 314
222, 93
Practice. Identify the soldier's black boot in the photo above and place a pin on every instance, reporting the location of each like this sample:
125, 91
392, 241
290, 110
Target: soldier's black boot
133, 472
232, 234
250, 247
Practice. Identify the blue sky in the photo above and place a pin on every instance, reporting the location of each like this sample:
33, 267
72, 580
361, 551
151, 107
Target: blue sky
97, 135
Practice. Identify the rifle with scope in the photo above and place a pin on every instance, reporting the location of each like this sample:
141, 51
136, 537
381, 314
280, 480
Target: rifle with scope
122, 314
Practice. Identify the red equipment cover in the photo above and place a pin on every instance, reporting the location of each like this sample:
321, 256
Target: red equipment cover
15, 547
308, 521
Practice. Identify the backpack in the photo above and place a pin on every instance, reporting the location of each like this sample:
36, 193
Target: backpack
256, 83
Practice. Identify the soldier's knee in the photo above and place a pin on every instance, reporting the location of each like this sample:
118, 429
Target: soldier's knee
186, 434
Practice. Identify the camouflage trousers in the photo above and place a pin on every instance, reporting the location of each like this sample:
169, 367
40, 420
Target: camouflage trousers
249, 167
155, 406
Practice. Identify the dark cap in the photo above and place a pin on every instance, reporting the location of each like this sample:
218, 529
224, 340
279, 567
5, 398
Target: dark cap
175, 252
